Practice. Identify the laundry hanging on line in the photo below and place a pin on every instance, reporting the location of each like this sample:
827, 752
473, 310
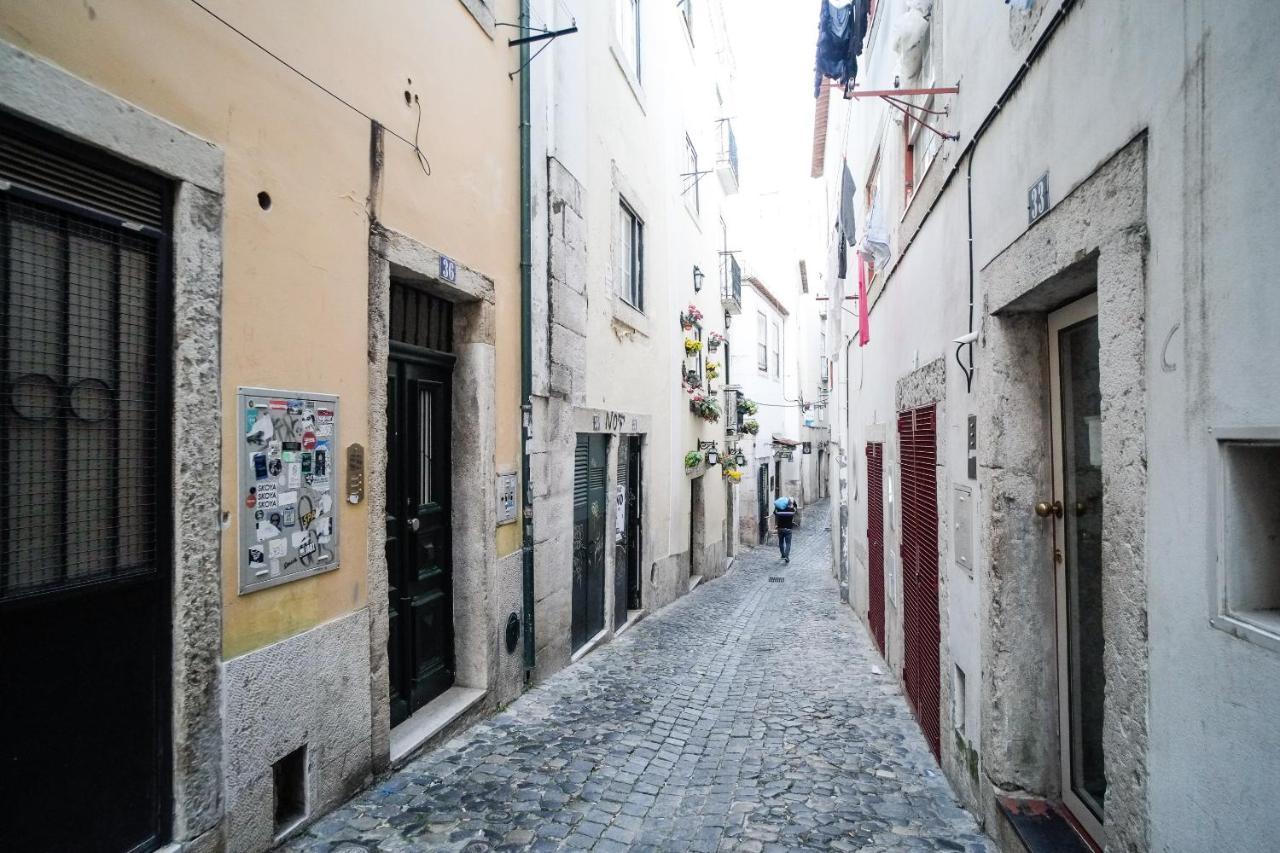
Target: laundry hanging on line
841, 29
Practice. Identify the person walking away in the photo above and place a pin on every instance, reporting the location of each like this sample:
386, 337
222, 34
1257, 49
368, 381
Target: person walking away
784, 514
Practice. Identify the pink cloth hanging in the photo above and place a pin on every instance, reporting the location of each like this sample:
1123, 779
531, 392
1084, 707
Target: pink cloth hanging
864, 320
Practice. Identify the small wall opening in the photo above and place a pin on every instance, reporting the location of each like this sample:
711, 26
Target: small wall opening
1250, 548
958, 703
290, 790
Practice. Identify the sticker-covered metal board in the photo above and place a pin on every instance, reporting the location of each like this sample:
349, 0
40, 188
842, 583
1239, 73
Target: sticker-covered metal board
287, 471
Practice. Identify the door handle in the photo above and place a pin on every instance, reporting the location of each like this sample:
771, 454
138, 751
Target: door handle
414, 524
1045, 509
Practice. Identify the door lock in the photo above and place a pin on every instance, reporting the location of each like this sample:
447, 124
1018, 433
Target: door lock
1045, 509
414, 524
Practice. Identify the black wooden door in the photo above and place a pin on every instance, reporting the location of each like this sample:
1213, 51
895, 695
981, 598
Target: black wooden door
621, 546
635, 521
419, 542
762, 500
84, 506
590, 464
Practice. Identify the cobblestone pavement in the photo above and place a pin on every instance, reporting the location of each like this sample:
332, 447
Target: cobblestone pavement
746, 716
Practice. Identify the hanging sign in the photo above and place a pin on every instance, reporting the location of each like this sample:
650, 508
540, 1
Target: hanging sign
288, 529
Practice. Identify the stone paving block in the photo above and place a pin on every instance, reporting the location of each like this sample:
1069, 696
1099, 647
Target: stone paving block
745, 716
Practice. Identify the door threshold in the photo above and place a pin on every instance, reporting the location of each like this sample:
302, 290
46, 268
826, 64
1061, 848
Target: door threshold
430, 720
589, 646
633, 616
1045, 827
694, 580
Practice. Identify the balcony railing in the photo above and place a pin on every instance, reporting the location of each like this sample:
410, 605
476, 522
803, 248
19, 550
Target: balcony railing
730, 285
727, 160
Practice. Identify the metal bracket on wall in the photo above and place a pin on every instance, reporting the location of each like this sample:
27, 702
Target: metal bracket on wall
538, 34
892, 98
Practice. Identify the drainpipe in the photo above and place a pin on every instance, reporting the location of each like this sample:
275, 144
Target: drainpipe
526, 344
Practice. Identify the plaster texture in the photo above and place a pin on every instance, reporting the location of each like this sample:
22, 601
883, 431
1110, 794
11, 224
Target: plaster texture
310, 690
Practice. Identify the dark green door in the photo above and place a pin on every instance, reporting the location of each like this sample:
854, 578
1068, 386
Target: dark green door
590, 464
419, 469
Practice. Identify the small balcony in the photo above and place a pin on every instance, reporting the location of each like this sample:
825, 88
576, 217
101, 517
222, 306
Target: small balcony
727, 159
730, 284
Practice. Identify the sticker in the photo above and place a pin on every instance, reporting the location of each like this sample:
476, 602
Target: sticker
298, 538
267, 496
275, 568
308, 517
275, 467
261, 431
295, 407
266, 530
308, 440
274, 518
260, 466
259, 515
324, 430
324, 529
250, 417
320, 464
288, 498
293, 474
326, 503
251, 499
324, 423
276, 405
306, 549
278, 549
256, 558
290, 516
307, 463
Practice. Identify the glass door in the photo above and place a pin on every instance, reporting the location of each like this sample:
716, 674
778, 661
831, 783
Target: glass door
1077, 511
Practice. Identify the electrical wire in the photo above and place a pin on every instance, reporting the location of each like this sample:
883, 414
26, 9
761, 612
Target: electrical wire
421, 155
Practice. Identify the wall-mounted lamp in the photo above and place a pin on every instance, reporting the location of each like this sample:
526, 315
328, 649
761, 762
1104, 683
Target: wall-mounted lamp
741, 460
697, 278
713, 457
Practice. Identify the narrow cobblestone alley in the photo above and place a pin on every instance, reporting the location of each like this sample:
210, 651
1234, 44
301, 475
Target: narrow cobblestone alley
750, 715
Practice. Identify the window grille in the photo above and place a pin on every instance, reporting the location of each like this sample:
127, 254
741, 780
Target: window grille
419, 318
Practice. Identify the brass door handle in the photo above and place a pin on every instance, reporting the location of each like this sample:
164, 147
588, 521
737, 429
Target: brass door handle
1045, 509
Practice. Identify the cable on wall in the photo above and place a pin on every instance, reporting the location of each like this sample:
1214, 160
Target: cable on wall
423, 162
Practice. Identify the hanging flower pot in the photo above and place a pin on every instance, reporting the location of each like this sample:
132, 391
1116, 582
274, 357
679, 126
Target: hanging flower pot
714, 340
713, 369
692, 380
692, 459
692, 346
706, 408
747, 407
751, 426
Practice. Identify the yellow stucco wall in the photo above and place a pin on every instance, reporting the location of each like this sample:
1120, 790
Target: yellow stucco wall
295, 276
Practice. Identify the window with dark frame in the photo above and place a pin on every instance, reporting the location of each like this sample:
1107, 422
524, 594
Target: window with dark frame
762, 342
628, 25
631, 286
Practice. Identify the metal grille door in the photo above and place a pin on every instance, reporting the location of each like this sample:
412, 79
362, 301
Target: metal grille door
875, 541
921, 626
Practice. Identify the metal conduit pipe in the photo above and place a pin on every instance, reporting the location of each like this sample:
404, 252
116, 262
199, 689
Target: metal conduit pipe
526, 346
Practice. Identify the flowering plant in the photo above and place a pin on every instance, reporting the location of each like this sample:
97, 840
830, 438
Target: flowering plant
705, 407
751, 425
692, 380
691, 317
713, 369
692, 459
714, 340
733, 475
692, 346
747, 407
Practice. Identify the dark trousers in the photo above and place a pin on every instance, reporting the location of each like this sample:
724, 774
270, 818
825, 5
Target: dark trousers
784, 541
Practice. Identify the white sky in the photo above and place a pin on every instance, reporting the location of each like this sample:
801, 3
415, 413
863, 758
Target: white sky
773, 45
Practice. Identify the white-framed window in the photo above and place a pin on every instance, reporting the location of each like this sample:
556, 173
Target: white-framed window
693, 180
628, 23
777, 349
631, 257
762, 342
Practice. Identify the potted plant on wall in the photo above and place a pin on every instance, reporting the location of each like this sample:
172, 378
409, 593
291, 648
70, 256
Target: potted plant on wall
692, 346
713, 369
691, 317
705, 407
751, 425
692, 381
714, 340
747, 407
692, 460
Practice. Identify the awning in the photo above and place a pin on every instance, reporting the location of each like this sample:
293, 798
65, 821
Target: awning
782, 439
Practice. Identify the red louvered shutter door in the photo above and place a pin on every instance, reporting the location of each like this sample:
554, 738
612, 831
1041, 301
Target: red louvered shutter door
875, 541
917, 437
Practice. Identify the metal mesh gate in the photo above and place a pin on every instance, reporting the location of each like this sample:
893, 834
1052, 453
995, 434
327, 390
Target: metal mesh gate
79, 419
875, 541
920, 619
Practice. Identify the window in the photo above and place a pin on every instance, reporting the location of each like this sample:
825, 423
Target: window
804, 277
686, 12
629, 33
631, 260
777, 350
692, 178
1249, 535
873, 186
762, 342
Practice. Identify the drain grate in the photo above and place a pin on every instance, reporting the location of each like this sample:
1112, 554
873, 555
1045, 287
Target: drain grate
775, 579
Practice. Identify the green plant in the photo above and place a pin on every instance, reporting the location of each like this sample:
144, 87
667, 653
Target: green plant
751, 426
692, 346
707, 408
692, 459
747, 406
713, 369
